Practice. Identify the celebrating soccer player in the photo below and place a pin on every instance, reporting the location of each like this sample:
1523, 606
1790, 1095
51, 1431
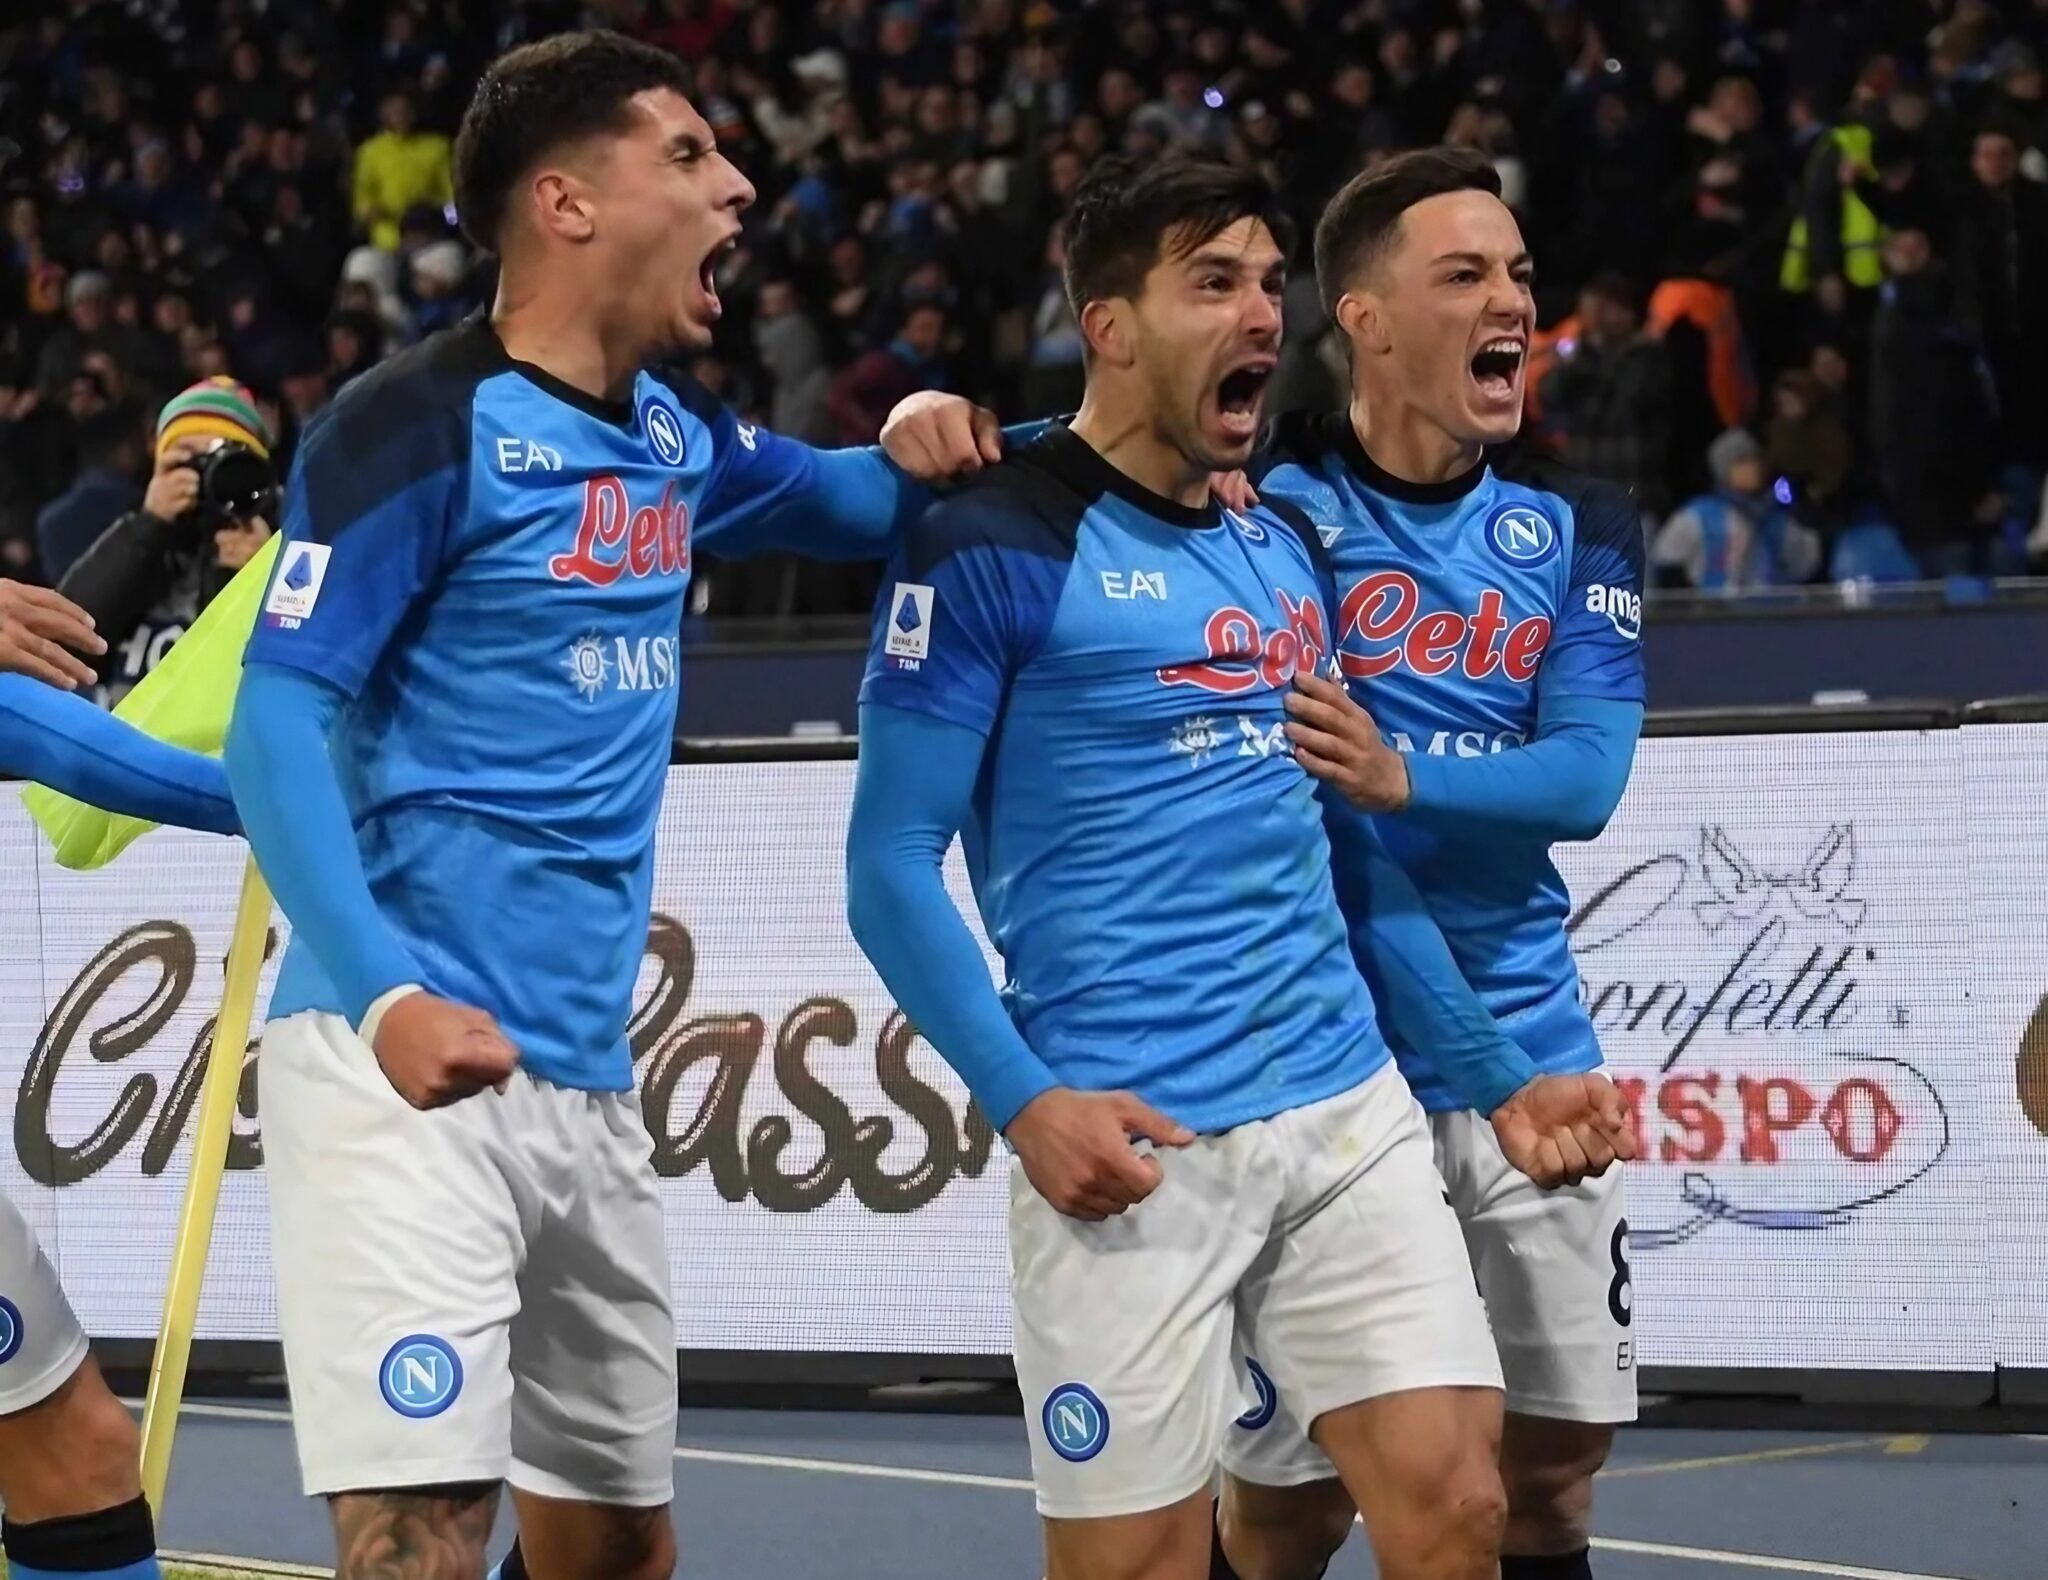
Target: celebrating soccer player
1081, 664
70, 1467
450, 749
1490, 621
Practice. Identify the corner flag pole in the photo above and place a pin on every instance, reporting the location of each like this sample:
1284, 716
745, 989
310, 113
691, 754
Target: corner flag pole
217, 1094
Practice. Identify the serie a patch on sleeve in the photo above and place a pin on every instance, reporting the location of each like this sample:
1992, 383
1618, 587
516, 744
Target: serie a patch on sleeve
297, 587
910, 622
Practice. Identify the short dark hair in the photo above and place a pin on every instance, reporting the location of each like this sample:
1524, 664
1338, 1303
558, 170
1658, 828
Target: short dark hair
1126, 214
1364, 219
538, 97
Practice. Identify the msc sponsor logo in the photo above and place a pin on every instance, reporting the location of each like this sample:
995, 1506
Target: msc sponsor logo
615, 539
1461, 743
1203, 736
1623, 608
597, 664
1381, 626
11, 1330
1522, 535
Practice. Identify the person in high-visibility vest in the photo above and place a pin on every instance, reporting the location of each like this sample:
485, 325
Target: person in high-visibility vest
1835, 237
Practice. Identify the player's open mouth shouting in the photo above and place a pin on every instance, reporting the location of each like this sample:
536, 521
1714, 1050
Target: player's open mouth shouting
707, 272
1497, 369
1240, 398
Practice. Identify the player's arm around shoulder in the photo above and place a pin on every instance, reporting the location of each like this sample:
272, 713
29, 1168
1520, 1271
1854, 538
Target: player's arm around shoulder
766, 493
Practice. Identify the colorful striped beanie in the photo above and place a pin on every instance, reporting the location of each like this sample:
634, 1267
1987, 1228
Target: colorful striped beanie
215, 408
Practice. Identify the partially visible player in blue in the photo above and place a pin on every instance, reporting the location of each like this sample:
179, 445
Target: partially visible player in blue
450, 748
70, 1457
1489, 628
1080, 666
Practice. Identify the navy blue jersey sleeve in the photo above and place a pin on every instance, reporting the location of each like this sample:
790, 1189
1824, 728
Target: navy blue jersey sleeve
1596, 649
968, 598
1319, 561
767, 494
370, 515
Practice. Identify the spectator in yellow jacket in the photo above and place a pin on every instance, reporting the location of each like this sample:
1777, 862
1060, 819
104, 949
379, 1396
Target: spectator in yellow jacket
397, 168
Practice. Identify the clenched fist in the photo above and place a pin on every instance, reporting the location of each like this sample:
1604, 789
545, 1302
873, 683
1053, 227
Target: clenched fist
1560, 1129
436, 1053
938, 438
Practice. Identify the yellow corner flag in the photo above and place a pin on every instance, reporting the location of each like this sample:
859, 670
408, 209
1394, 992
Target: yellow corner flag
187, 700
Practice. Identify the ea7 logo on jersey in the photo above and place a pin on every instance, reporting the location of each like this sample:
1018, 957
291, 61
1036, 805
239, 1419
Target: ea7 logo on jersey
527, 455
297, 588
1135, 584
1521, 535
1623, 608
909, 641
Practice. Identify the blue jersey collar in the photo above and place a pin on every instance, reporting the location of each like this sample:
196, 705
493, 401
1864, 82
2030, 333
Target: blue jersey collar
1079, 465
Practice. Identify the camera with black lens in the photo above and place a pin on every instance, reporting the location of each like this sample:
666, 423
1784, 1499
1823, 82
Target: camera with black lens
235, 485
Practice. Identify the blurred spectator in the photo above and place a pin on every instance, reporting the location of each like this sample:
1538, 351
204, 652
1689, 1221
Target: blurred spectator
86, 300
1054, 375
1738, 537
1807, 444
437, 274
861, 398
793, 353
399, 167
149, 571
183, 197
1933, 419
109, 451
2001, 262
1609, 395
355, 343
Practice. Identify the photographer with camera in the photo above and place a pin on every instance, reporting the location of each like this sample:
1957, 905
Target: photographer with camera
209, 507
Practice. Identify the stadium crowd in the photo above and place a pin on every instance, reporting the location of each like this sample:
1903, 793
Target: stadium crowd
1789, 251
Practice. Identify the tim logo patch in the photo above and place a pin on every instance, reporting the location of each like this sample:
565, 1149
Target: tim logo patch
910, 623
296, 588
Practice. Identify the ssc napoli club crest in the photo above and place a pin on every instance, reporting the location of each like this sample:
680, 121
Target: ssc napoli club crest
1260, 1415
1522, 535
420, 1376
11, 1330
664, 431
1076, 1422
